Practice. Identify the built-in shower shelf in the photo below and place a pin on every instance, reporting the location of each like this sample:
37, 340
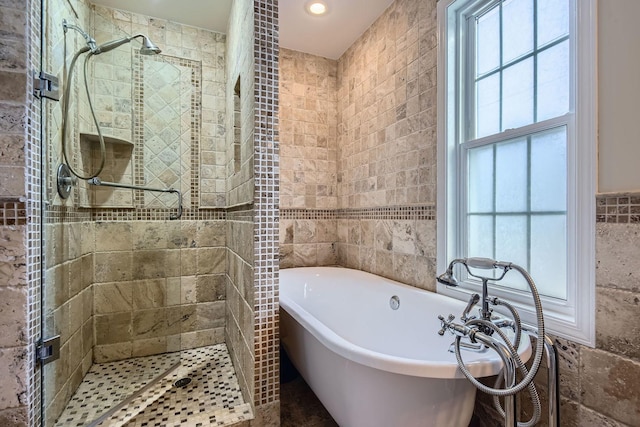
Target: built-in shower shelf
93, 137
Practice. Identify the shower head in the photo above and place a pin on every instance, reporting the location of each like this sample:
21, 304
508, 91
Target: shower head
148, 48
447, 278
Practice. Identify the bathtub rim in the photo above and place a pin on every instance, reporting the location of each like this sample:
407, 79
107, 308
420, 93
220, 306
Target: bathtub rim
385, 362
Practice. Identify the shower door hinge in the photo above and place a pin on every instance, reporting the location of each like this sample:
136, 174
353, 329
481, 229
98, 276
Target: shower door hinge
48, 350
46, 86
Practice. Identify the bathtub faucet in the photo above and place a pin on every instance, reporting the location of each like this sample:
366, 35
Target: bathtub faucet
448, 278
482, 329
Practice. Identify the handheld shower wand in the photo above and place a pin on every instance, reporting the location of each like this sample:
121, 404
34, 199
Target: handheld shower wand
148, 47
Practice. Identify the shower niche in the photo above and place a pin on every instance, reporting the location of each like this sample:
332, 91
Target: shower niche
136, 293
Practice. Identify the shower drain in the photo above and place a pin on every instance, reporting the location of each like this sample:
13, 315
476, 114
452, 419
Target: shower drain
182, 382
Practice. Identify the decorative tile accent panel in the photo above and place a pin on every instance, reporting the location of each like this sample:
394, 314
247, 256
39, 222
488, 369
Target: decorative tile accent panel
168, 126
200, 55
618, 208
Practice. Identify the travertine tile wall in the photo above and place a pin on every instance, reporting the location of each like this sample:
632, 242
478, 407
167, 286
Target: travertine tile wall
158, 287
240, 61
68, 309
386, 110
387, 145
15, 366
240, 266
308, 127
199, 57
58, 44
308, 162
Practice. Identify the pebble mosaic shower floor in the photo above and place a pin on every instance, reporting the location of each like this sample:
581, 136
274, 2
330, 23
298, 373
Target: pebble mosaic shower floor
213, 397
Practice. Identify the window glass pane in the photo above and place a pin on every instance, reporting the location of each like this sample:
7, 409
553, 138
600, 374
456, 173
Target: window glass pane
481, 179
511, 176
517, 92
488, 41
517, 29
488, 106
549, 254
553, 81
511, 245
549, 170
553, 20
480, 232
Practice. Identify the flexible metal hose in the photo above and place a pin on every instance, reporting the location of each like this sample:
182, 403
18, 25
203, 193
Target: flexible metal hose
65, 116
539, 347
516, 319
533, 392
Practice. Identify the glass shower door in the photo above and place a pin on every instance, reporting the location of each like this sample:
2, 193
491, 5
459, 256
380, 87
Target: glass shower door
112, 287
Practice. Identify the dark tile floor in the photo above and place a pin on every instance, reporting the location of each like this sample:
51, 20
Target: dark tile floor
299, 407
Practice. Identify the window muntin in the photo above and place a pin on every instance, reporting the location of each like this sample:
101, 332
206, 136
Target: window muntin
511, 212
521, 65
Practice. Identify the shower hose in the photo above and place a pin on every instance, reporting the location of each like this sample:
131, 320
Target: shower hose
528, 375
65, 114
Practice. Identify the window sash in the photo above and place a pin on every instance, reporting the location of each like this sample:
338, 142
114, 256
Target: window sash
467, 20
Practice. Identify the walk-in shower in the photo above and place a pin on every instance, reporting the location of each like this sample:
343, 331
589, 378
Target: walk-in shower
135, 278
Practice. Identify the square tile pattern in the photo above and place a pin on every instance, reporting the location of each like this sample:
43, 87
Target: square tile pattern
212, 398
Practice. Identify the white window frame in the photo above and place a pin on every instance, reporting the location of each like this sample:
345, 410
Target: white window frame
575, 318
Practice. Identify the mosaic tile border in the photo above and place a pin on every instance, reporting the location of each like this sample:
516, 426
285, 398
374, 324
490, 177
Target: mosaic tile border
34, 187
427, 212
619, 208
13, 212
63, 214
266, 198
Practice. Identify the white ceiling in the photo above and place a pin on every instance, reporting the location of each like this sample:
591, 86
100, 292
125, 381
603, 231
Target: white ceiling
328, 36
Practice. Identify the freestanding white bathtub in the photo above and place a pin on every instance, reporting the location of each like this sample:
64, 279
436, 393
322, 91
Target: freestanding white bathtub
371, 365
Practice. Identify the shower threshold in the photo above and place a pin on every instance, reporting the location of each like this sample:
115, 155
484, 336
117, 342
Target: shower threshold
212, 397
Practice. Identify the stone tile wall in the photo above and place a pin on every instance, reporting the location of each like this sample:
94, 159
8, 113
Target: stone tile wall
158, 286
197, 57
15, 353
239, 330
240, 184
387, 146
387, 110
308, 162
68, 310
308, 127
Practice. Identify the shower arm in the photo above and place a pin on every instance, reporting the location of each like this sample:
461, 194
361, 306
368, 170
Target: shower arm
98, 182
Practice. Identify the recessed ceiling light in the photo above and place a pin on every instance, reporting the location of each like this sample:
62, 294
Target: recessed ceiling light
317, 7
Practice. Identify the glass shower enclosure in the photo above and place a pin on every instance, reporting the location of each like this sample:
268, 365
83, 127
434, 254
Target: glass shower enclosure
134, 271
